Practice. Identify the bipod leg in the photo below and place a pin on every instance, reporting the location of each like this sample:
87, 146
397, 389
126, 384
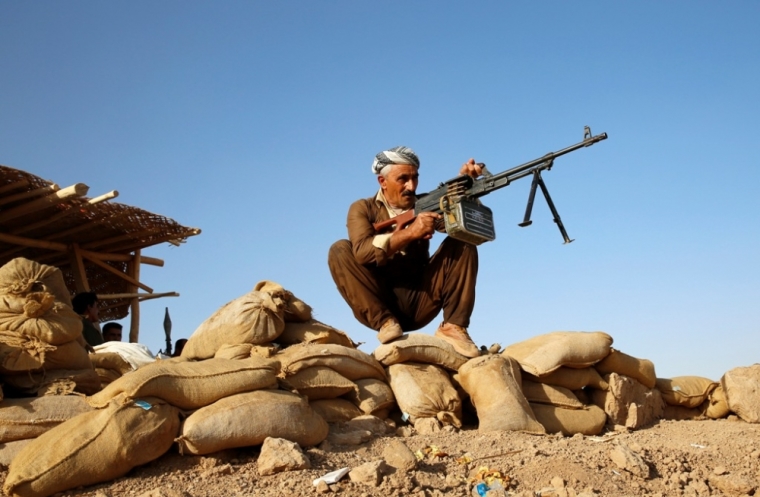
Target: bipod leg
552, 208
531, 197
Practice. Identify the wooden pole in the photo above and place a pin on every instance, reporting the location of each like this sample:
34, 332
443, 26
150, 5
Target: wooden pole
29, 194
30, 242
13, 186
127, 277
123, 258
134, 327
77, 269
78, 190
72, 209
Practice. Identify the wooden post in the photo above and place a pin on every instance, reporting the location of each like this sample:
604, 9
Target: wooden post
134, 272
77, 269
78, 190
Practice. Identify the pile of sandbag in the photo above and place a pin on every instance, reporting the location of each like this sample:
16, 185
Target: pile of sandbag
41, 345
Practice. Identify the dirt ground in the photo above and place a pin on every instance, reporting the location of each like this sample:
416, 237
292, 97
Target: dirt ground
690, 458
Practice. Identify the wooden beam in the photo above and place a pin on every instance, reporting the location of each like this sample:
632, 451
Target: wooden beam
141, 296
77, 269
134, 306
56, 217
30, 242
45, 190
104, 256
129, 279
77, 190
13, 186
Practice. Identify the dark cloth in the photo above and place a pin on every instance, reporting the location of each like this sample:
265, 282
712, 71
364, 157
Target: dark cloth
90, 333
411, 287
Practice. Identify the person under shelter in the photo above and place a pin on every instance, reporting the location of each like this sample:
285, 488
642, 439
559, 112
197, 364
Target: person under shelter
86, 305
112, 332
389, 279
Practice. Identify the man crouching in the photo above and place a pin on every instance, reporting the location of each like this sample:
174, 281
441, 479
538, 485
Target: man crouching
389, 280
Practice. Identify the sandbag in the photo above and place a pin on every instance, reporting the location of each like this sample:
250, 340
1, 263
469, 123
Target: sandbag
641, 370
419, 348
372, 396
571, 378
351, 363
93, 447
38, 315
136, 354
111, 360
236, 351
107, 376
22, 276
265, 351
681, 413
9, 451
30, 354
190, 385
296, 310
55, 382
335, 410
539, 393
742, 389
312, 331
318, 382
254, 318
32, 416
247, 419
717, 406
425, 391
589, 420
686, 391
493, 382
543, 354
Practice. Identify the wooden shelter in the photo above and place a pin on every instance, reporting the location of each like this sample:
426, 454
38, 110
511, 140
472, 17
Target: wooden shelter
97, 244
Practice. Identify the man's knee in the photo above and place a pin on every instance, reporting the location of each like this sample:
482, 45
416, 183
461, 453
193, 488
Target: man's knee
339, 251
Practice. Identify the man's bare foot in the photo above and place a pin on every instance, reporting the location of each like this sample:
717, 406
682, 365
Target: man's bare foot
390, 331
458, 338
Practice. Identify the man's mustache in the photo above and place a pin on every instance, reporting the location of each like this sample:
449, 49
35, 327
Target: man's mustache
408, 193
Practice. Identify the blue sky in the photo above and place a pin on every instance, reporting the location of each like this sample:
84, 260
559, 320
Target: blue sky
258, 121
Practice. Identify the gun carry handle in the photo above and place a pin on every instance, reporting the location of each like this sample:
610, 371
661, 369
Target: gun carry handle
401, 221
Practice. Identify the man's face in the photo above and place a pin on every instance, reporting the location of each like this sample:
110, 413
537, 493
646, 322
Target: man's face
112, 335
400, 186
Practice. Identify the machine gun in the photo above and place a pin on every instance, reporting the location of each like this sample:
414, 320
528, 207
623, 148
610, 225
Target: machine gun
467, 219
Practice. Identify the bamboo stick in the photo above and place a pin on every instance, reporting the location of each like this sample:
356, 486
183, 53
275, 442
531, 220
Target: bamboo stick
134, 325
57, 197
29, 194
30, 242
67, 212
121, 275
13, 186
103, 256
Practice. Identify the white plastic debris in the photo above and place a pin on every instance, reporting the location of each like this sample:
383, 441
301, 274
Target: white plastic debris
333, 477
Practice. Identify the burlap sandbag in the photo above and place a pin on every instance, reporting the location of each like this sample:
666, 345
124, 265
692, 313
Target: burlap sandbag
235, 351
190, 385
681, 413
351, 363
34, 355
540, 393
20, 354
312, 331
254, 318
32, 416
39, 315
493, 382
247, 419
54, 382
296, 310
742, 387
318, 382
717, 407
425, 391
335, 410
685, 391
22, 276
93, 447
543, 354
571, 378
265, 351
9, 451
372, 396
107, 376
420, 348
641, 370
589, 420
111, 360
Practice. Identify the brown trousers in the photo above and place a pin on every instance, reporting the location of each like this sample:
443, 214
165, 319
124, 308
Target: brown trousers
375, 294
